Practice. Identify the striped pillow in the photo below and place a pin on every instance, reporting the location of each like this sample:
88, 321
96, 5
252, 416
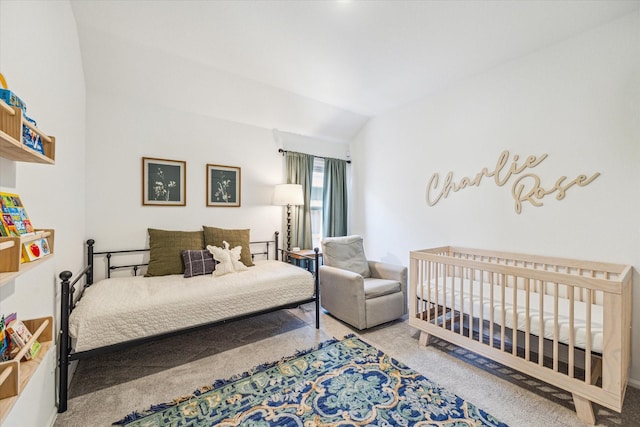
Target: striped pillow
197, 263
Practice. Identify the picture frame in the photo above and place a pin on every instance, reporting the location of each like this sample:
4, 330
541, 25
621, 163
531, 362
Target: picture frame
223, 186
164, 182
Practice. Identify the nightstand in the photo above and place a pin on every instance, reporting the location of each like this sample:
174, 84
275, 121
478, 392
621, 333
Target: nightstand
303, 258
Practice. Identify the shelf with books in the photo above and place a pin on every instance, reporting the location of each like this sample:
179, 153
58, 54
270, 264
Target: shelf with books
12, 121
16, 373
12, 253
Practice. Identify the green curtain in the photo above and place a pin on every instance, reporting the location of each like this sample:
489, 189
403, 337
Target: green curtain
300, 171
334, 203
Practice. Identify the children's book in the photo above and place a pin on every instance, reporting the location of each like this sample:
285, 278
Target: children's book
20, 336
14, 221
6, 346
3, 231
34, 250
5, 349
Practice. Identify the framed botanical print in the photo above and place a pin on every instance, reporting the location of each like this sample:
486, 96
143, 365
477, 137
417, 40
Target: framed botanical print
223, 186
164, 182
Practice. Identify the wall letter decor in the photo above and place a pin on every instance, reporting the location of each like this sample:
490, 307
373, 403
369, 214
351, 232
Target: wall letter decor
525, 188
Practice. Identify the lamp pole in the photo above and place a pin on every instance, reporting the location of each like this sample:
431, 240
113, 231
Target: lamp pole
288, 228
288, 195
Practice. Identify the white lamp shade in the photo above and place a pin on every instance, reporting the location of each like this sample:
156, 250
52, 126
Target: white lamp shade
288, 194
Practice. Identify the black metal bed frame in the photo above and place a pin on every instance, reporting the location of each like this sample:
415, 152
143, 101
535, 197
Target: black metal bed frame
68, 302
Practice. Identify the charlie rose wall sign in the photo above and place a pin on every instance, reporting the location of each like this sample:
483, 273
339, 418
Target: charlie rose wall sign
526, 187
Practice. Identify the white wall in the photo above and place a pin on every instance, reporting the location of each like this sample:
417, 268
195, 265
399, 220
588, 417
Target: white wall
578, 101
42, 65
120, 131
169, 107
132, 69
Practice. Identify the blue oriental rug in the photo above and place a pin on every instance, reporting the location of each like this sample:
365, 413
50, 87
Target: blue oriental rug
339, 383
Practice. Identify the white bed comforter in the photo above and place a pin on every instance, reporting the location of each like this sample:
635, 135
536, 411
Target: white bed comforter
121, 309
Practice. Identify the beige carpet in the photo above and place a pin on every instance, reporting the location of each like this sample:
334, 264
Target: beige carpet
106, 388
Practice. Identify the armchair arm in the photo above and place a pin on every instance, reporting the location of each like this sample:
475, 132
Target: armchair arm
381, 270
342, 294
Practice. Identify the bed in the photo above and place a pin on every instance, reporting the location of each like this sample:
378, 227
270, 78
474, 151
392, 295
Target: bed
563, 321
131, 309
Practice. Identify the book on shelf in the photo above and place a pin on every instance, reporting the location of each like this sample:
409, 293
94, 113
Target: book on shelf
6, 346
14, 220
7, 228
20, 336
35, 249
5, 342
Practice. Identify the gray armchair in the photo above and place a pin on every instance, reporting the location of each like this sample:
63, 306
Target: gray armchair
359, 292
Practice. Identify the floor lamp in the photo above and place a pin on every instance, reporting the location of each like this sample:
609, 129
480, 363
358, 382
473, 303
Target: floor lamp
288, 195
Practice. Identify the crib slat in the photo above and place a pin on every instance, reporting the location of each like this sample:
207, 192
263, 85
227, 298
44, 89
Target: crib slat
503, 311
446, 298
445, 295
433, 276
587, 347
427, 292
541, 326
571, 329
556, 328
461, 317
415, 276
492, 307
592, 292
452, 317
481, 334
437, 272
471, 296
527, 325
421, 303
514, 328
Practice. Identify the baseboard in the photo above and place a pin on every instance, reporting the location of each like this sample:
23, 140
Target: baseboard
634, 383
53, 417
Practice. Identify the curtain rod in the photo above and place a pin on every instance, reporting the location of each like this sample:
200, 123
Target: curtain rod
280, 150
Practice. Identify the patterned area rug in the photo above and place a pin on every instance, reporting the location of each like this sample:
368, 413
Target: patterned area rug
339, 383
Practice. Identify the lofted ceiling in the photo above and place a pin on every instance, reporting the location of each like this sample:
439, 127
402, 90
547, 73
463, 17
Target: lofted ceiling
319, 68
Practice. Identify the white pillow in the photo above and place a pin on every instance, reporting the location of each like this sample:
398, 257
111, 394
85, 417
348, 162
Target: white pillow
346, 253
228, 259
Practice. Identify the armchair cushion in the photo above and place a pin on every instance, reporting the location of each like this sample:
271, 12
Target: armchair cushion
346, 253
374, 288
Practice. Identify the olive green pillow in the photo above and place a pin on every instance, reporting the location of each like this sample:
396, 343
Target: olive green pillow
214, 236
166, 246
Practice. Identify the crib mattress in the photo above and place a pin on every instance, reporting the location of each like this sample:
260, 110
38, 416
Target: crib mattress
121, 309
472, 298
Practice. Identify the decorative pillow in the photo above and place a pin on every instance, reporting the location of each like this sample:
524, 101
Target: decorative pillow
215, 236
346, 253
197, 263
165, 256
228, 259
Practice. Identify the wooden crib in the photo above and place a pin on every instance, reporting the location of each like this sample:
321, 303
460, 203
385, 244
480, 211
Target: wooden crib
491, 302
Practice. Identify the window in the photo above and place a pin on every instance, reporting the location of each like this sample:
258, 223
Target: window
317, 183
